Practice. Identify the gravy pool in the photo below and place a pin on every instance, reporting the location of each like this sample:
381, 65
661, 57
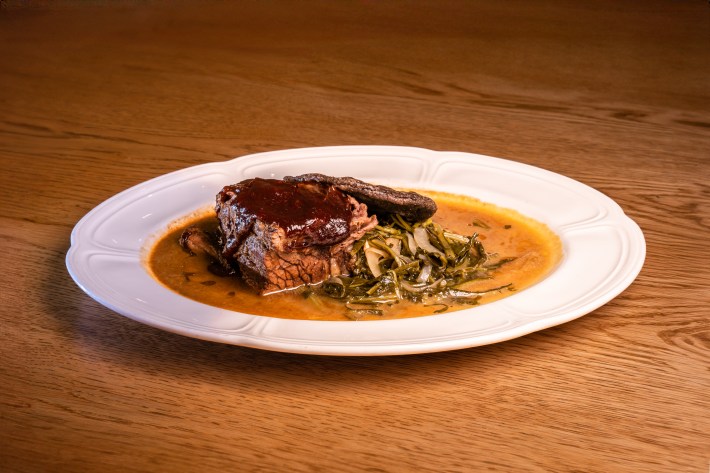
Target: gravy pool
536, 249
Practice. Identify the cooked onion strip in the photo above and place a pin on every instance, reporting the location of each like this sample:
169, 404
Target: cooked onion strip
373, 257
421, 237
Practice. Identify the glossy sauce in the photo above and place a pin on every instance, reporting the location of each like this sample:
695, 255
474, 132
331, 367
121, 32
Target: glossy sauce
537, 251
318, 214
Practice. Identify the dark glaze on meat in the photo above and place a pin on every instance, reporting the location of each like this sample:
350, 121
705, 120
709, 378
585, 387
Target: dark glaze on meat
309, 213
379, 199
281, 235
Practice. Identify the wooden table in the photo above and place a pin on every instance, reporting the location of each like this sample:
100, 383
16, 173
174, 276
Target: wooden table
98, 96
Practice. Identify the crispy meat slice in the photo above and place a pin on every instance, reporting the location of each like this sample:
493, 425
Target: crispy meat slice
379, 199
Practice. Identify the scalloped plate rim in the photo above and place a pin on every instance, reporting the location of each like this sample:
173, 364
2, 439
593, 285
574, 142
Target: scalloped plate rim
341, 345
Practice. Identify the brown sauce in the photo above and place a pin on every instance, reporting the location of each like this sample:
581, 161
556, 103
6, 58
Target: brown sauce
318, 214
537, 251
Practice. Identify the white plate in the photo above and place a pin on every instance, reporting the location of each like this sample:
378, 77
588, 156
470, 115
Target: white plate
603, 251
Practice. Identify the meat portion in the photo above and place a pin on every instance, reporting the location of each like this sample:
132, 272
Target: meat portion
283, 235
197, 241
379, 199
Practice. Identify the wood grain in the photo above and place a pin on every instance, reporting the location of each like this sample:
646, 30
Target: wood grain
97, 97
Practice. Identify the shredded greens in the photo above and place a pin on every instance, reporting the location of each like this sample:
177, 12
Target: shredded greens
415, 261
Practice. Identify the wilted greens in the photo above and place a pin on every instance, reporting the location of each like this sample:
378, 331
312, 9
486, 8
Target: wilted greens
420, 262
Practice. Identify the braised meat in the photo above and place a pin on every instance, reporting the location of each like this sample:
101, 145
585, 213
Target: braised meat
282, 235
197, 241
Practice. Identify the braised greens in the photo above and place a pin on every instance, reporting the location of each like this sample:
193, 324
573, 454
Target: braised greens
420, 262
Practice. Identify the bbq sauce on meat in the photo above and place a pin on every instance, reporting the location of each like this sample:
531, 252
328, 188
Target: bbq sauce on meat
310, 213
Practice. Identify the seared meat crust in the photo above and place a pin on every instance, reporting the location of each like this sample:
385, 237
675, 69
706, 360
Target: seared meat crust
379, 199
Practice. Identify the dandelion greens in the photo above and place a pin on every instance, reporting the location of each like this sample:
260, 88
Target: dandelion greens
415, 261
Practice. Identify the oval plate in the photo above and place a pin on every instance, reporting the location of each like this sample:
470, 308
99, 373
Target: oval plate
603, 250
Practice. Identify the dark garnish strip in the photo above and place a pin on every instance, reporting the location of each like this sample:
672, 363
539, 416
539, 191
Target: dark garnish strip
443, 308
480, 223
499, 263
